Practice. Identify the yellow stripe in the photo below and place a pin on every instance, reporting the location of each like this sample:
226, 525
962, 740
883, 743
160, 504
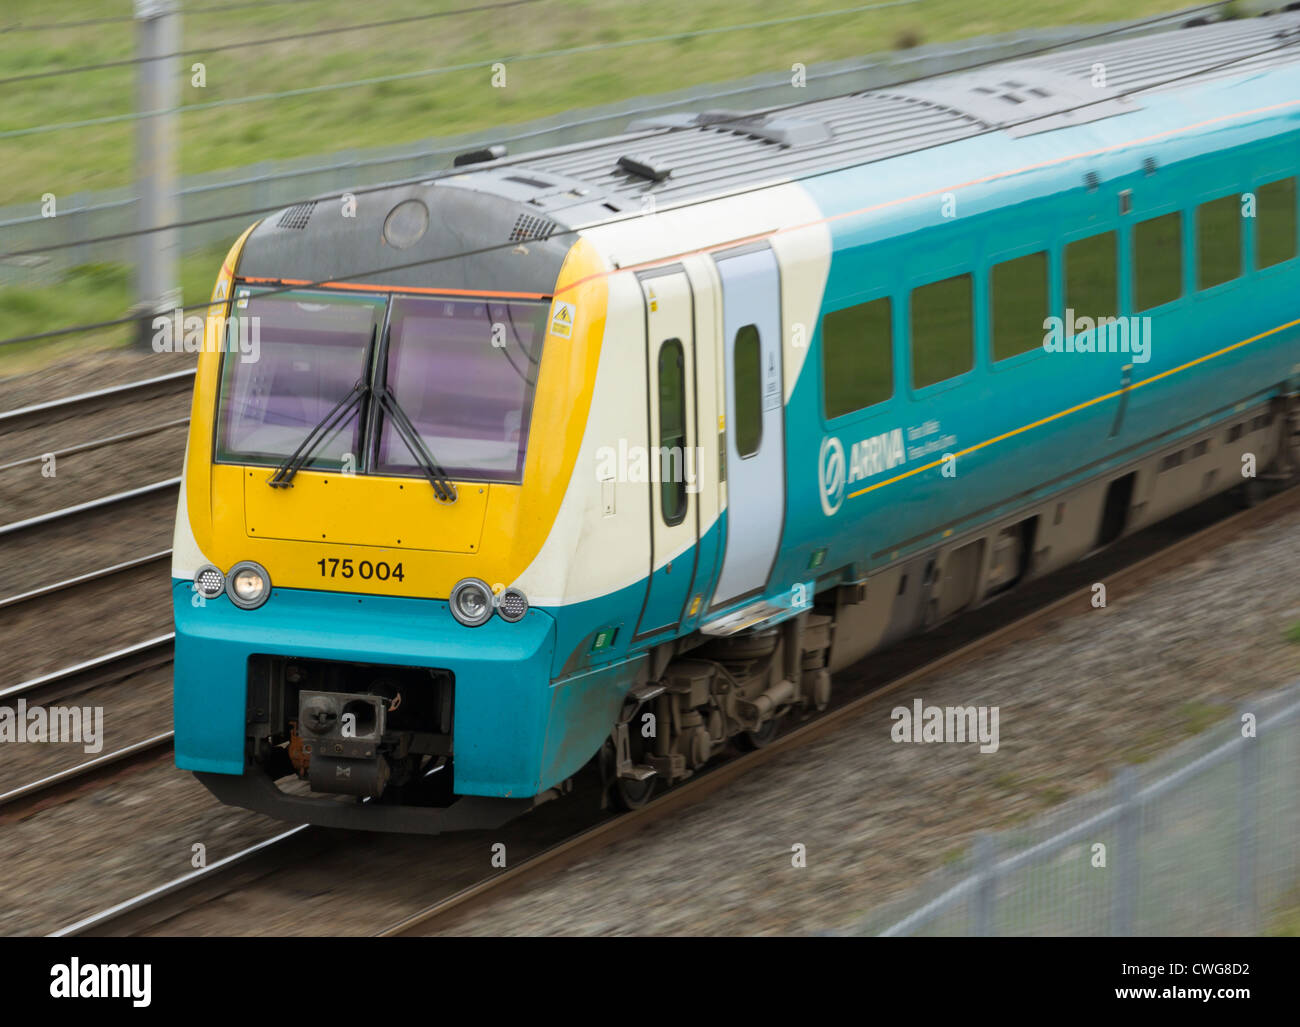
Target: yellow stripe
1079, 406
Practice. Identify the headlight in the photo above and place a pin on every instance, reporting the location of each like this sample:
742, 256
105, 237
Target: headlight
512, 605
248, 584
209, 582
471, 602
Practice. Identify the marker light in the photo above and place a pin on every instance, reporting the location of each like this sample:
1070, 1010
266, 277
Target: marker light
512, 605
471, 602
248, 584
209, 582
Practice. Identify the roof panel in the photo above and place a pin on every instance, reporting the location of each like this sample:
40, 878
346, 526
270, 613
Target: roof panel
716, 152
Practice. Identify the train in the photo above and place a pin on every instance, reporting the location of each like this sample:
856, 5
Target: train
605, 458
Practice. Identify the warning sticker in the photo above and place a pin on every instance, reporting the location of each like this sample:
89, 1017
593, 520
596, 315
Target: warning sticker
562, 318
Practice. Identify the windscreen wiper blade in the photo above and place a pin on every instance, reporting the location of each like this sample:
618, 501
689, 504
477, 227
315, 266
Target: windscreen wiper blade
283, 476
442, 486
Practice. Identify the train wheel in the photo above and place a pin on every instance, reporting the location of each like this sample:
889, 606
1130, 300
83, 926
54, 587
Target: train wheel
632, 795
751, 740
627, 794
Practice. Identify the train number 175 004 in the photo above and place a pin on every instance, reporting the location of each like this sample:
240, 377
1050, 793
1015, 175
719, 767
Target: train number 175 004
333, 567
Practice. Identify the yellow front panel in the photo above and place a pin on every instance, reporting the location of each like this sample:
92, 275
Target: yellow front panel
363, 511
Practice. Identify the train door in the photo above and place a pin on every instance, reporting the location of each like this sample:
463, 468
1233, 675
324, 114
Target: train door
673, 464
754, 420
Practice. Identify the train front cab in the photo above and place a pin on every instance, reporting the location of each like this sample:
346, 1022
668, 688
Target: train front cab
349, 677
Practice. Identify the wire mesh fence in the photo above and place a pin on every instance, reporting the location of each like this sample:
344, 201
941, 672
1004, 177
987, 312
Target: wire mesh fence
1204, 840
215, 206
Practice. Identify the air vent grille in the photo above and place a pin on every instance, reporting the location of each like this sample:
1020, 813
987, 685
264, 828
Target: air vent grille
297, 216
530, 226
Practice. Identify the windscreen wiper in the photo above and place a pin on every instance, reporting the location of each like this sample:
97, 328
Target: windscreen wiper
283, 476
442, 486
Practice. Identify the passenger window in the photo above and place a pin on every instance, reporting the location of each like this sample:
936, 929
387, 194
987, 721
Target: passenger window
943, 331
1157, 261
748, 387
1091, 282
1275, 223
672, 431
857, 357
1218, 241
1020, 304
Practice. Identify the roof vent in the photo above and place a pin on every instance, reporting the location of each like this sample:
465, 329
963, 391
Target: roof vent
482, 156
784, 131
644, 167
534, 183
297, 216
779, 129
530, 226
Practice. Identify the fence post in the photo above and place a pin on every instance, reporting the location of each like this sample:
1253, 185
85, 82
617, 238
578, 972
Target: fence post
1125, 858
158, 34
1247, 816
986, 892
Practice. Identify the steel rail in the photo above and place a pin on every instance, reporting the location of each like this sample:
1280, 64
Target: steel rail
19, 418
85, 447
82, 579
82, 508
106, 665
110, 760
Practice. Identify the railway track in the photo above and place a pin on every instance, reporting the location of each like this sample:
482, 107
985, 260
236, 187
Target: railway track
68, 514
160, 557
123, 662
68, 439
172, 902
86, 447
39, 414
66, 684
80, 677
62, 785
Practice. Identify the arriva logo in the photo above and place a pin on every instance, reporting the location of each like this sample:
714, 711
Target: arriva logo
868, 458
830, 475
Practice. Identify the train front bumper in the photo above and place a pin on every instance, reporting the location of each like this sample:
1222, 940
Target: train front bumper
501, 670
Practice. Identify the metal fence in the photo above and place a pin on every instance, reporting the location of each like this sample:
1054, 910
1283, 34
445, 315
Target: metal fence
227, 201
1204, 840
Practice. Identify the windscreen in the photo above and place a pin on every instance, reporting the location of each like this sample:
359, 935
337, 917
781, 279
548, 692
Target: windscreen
312, 351
464, 372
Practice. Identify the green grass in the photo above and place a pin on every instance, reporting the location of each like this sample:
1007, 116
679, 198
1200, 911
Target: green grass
84, 295
396, 112
1293, 633
1285, 923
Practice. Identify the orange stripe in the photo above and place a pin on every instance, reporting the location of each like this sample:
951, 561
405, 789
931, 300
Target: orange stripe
714, 247
1079, 406
362, 287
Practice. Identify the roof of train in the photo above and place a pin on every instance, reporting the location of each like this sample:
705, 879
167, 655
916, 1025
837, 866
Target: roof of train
683, 156
540, 198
